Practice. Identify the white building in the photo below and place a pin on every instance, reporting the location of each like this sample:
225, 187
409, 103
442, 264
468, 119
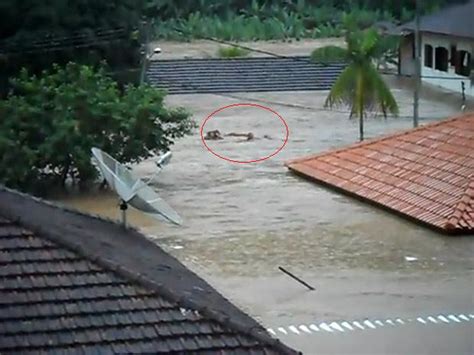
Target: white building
447, 48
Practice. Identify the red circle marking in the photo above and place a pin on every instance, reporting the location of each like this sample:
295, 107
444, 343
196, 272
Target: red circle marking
248, 105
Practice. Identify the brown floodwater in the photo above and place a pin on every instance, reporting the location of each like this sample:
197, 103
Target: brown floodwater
243, 219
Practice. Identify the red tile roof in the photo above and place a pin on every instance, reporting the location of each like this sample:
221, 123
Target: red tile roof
426, 173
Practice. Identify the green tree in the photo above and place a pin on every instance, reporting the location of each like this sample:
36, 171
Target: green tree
50, 122
36, 34
360, 85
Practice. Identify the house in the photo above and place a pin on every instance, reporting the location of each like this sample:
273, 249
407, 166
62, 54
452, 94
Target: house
447, 48
425, 174
73, 283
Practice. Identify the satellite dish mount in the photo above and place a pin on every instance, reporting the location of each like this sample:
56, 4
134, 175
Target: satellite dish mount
123, 208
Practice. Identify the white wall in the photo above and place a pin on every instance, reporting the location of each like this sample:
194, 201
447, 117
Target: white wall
446, 42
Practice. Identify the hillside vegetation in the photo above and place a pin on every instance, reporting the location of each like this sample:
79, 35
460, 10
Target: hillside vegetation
244, 20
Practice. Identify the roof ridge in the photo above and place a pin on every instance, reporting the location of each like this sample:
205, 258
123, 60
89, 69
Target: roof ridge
379, 139
461, 208
256, 331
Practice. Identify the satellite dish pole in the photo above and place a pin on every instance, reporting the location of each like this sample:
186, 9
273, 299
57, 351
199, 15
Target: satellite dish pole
123, 208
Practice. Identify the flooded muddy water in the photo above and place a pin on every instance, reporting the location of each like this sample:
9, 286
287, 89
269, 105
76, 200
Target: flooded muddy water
242, 219
240, 138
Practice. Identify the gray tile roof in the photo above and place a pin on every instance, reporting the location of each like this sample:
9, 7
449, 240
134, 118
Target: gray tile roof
454, 20
57, 295
216, 75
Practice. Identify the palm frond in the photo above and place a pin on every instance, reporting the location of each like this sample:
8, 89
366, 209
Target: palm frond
386, 101
369, 42
343, 90
378, 94
375, 92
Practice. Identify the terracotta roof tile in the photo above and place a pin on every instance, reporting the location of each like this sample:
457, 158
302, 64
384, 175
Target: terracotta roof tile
425, 173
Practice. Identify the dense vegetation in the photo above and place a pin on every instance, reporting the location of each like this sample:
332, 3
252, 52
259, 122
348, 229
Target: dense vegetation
247, 20
166, 9
50, 122
36, 34
53, 111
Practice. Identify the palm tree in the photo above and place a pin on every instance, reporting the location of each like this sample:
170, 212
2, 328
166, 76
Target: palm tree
360, 85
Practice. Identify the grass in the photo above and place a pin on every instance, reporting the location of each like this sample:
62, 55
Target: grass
232, 52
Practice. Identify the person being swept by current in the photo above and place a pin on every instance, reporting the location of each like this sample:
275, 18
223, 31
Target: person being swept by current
216, 135
213, 135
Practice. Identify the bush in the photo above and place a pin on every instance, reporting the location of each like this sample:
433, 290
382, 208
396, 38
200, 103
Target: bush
232, 52
50, 122
328, 54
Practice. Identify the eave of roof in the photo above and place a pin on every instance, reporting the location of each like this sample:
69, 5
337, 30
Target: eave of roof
454, 20
54, 300
131, 255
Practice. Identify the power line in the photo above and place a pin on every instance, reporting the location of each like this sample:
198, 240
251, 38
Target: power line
285, 104
250, 49
104, 35
319, 109
197, 88
424, 76
64, 47
46, 36
50, 42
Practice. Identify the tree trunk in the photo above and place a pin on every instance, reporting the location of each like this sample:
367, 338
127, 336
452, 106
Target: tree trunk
65, 171
360, 103
361, 125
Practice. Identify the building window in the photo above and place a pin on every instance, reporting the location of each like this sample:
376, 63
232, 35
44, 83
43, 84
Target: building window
441, 59
428, 56
463, 64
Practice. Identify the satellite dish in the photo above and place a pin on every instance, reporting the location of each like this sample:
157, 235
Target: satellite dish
132, 190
